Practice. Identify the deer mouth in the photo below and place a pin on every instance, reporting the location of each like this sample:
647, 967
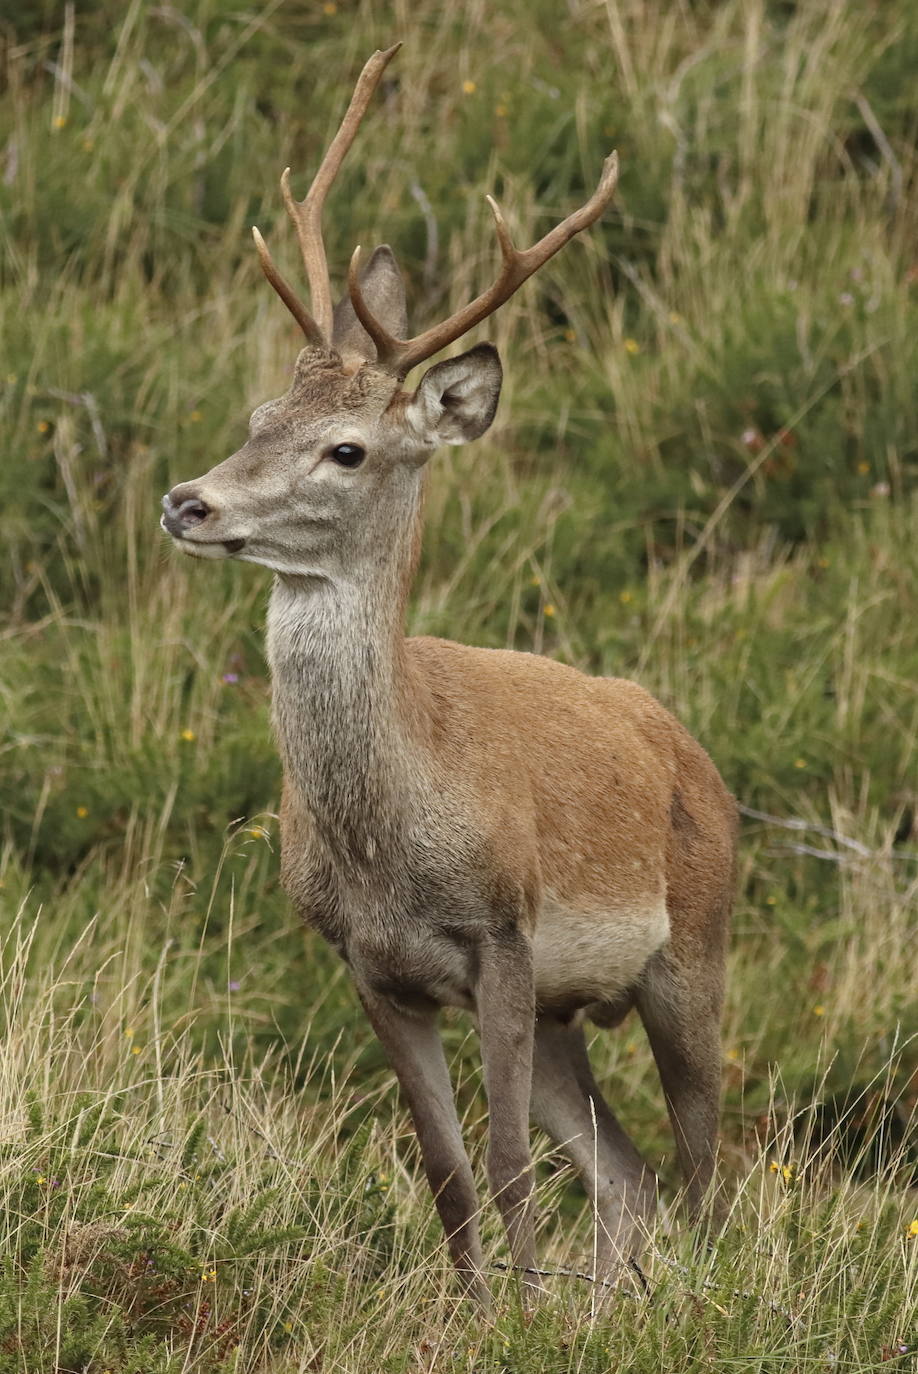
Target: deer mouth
202, 548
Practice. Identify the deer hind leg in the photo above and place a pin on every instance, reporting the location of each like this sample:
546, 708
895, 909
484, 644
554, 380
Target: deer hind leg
611, 1168
680, 1006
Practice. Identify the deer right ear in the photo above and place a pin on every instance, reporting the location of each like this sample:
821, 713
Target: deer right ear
456, 400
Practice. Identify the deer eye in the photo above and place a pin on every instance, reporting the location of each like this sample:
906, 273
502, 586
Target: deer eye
347, 455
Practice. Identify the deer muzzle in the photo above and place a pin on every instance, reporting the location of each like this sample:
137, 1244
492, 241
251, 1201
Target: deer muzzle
184, 512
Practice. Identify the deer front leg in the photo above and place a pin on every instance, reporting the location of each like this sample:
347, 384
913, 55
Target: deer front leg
506, 1022
414, 1049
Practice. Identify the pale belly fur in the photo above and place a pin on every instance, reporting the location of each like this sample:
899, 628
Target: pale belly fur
594, 956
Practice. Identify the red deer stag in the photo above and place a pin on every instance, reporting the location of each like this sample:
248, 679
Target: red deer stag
468, 827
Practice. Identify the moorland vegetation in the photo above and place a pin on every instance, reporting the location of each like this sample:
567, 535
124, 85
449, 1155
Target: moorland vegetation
702, 475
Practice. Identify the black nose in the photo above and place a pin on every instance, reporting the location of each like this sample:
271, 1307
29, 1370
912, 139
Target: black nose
182, 511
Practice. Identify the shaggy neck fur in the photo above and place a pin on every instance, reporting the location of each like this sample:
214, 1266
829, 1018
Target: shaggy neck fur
343, 710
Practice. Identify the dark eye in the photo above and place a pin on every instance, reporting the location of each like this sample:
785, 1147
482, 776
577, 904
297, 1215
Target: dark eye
348, 455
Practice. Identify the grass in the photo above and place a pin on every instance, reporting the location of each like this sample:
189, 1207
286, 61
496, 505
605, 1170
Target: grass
702, 475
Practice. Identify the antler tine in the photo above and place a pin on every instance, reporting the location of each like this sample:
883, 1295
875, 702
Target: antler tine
307, 213
400, 355
287, 294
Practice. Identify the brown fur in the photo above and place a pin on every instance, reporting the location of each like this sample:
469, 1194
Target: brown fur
474, 827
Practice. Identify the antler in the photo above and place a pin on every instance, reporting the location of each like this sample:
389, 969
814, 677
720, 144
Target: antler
307, 214
400, 355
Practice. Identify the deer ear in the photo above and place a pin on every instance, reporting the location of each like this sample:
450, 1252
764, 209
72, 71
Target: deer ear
456, 400
384, 292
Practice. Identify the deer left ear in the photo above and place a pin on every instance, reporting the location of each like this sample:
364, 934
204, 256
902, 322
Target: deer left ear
456, 400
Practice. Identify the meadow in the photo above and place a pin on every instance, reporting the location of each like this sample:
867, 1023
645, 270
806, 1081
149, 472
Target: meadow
702, 475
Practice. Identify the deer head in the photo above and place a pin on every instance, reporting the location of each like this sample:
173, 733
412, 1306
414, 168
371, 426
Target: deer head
331, 471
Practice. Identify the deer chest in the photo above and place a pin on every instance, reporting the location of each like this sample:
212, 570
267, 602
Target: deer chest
408, 925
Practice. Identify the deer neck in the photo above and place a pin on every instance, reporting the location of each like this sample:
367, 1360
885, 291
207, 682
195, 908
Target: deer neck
343, 699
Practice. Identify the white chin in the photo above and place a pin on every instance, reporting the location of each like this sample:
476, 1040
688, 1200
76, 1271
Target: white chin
201, 550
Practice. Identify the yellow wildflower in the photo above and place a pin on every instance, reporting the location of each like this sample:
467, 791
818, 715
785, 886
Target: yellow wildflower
195, 416
43, 426
329, 7
469, 88
548, 609
911, 1229
625, 596
632, 346
819, 1010
863, 468
60, 121
82, 812
799, 763
188, 735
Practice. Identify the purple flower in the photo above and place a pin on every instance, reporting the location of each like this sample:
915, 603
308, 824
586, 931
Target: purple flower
234, 986
231, 678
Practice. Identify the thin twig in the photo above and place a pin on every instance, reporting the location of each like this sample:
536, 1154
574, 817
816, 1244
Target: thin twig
682, 1269
563, 1274
814, 827
734, 1292
810, 851
797, 823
